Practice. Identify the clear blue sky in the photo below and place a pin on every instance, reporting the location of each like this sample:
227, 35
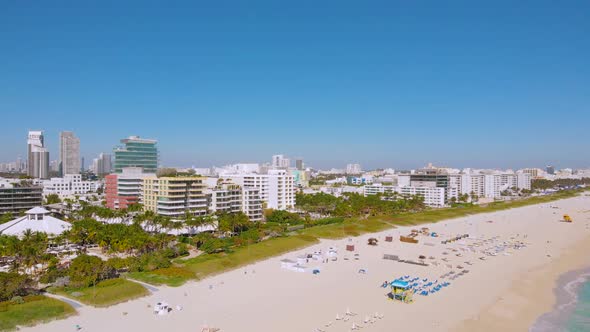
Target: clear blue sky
385, 84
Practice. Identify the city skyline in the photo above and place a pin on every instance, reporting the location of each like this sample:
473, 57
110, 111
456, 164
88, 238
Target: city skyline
268, 159
380, 85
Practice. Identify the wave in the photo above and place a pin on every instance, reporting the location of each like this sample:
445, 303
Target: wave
567, 294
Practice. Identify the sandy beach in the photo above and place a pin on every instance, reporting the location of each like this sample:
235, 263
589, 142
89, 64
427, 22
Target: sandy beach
529, 248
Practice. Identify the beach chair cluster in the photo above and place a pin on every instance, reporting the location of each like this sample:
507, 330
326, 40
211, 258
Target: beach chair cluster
455, 238
421, 286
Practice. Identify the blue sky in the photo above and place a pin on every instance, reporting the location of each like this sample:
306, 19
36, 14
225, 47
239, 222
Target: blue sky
383, 83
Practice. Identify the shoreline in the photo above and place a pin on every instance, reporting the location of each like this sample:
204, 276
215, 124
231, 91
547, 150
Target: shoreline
536, 294
566, 293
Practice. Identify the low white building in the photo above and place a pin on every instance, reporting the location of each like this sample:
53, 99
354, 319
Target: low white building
36, 220
232, 198
69, 185
433, 196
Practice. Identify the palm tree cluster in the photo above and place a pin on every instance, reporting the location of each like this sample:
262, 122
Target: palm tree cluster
355, 205
25, 252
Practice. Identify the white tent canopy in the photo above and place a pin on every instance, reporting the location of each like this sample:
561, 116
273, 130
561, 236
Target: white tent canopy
36, 219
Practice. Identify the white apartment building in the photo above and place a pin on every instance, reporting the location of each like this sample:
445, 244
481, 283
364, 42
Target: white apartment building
433, 196
69, 185
375, 189
252, 203
232, 198
277, 187
226, 197
490, 184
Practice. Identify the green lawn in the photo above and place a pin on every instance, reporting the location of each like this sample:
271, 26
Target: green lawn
36, 309
106, 293
172, 276
207, 265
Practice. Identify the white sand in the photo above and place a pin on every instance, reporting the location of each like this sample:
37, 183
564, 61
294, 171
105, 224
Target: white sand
275, 299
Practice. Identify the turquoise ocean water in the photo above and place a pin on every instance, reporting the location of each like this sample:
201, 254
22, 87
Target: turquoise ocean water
572, 310
579, 319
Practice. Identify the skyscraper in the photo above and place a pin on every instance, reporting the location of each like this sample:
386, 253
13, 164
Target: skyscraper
137, 152
550, 170
69, 153
38, 156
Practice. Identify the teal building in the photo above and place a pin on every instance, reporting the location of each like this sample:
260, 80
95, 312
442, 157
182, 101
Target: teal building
137, 152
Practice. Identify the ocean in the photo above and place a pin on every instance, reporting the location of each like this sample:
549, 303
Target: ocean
572, 310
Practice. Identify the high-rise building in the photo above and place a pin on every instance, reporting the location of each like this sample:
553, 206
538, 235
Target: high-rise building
175, 196
550, 170
137, 152
280, 161
102, 165
299, 164
38, 156
69, 153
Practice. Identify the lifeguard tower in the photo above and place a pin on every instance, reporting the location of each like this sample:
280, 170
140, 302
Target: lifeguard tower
400, 290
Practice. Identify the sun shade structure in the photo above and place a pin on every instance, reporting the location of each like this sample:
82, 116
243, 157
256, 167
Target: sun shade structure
36, 219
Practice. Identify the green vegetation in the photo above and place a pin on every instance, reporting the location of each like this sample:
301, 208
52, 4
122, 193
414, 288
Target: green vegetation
105, 293
52, 199
543, 184
357, 205
6, 217
172, 276
27, 251
33, 310
14, 284
210, 264
283, 217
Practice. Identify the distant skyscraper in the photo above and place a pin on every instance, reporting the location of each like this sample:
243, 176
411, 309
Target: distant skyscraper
82, 165
102, 165
299, 164
550, 170
38, 156
137, 152
280, 161
353, 169
69, 153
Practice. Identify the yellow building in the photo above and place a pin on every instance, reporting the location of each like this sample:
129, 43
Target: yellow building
174, 196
